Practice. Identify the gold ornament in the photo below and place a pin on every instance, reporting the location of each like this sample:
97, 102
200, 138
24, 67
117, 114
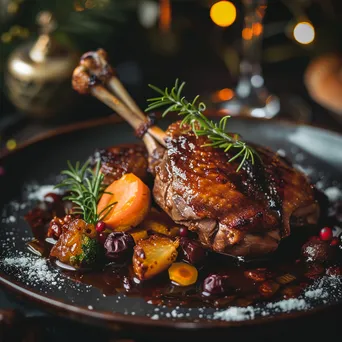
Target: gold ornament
39, 73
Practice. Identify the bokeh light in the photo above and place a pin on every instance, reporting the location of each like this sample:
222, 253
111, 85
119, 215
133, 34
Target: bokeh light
11, 144
223, 13
247, 33
224, 94
304, 33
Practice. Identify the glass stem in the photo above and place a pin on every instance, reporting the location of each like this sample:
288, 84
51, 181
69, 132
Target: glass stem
252, 33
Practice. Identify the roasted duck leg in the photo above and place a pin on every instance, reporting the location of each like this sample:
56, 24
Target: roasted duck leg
243, 214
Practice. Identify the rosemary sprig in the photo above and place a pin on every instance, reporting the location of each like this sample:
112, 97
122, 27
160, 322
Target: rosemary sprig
86, 187
200, 124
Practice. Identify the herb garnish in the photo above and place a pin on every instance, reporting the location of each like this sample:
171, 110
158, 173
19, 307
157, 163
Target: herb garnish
85, 187
199, 123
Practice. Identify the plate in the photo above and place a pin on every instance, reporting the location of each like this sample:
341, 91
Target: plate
315, 151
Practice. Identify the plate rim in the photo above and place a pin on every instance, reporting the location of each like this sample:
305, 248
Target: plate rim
110, 318
115, 119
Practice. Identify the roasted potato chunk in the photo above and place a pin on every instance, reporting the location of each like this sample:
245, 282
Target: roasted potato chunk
154, 255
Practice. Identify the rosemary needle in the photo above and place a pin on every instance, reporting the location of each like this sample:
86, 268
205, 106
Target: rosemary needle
200, 124
86, 188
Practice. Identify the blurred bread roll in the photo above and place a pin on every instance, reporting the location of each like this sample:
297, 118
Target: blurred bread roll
323, 80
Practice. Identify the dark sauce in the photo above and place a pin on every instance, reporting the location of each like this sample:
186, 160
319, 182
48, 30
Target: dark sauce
283, 275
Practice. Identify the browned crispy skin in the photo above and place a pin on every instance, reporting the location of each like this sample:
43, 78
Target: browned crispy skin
243, 214
121, 159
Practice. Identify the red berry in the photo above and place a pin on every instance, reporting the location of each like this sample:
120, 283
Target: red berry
183, 231
100, 226
326, 234
335, 241
2, 171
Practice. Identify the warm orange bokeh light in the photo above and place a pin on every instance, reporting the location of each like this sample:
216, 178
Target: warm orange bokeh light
224, 94
165, 15
304, 33
257, 29
223, 13
247, 33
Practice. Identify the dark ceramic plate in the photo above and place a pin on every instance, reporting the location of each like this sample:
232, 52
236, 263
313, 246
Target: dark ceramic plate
317, 152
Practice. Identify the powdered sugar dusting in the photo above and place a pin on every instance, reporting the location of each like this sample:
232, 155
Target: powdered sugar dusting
333, 193
39, 192
315, 294
34, 270
236, 314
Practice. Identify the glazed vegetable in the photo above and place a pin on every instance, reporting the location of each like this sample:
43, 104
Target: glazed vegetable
153, 256
77, 246
183, 274
159, 222
139, 233
89, 253
132, 198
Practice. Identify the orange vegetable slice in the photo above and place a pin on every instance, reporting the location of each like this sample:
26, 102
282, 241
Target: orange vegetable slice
183, 274
132, 198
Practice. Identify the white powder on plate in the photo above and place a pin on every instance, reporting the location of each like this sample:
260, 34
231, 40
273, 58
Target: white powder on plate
41, 191
318, 291
34, 269
333, 193
288, 305
236, 314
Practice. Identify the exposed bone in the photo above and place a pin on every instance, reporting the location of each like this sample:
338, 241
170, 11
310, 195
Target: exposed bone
93, 69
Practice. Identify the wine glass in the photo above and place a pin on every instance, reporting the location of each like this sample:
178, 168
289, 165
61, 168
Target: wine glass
250, 97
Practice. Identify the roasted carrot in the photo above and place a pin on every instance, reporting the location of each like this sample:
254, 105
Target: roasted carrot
183, 274
132, 198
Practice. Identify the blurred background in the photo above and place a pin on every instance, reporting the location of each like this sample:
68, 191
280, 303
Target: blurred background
246, 51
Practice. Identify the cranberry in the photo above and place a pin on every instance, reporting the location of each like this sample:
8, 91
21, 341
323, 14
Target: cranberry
2, 171
119, 246
326, 234
192, 251
216, 284
100, 226
335, 241
317, 251
183, 231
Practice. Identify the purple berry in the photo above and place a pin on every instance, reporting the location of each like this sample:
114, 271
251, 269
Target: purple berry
216, 284
183, 231
192, 251
119, 246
